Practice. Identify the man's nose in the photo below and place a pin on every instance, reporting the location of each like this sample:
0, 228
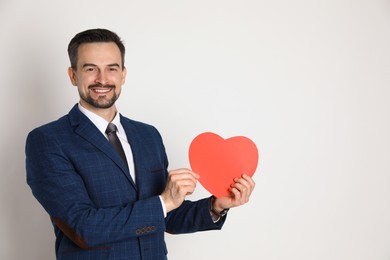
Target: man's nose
101, 78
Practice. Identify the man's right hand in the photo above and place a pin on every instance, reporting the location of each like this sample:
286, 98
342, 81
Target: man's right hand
181, 182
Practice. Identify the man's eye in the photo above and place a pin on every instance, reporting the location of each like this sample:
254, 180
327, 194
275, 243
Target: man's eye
90, 69
113, 69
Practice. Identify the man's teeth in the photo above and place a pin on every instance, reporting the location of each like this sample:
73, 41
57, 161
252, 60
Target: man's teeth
101, 90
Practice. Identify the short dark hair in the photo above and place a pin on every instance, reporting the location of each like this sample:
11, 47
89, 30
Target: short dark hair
91, 36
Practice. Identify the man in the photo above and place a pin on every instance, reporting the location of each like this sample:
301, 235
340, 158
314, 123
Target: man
104, 203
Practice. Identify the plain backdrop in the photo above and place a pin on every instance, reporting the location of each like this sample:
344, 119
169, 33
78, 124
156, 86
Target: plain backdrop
307, 81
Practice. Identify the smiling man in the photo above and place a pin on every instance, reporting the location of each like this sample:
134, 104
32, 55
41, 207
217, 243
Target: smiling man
103, 178
99, 82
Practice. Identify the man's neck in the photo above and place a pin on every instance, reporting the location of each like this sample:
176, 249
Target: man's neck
107, 113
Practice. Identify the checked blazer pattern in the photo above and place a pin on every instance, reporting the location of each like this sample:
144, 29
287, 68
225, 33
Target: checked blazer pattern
97, 210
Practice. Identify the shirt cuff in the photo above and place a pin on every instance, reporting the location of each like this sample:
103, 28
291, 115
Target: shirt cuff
214, 217
163, 207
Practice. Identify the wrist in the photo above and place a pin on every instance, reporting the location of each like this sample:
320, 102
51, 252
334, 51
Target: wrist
169, 206
216, 208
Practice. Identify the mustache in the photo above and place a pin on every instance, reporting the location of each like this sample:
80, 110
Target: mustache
99, 85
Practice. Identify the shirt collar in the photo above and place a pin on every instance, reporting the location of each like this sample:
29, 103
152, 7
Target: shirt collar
100, 122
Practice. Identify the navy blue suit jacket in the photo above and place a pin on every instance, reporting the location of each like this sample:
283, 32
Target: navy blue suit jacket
96, 209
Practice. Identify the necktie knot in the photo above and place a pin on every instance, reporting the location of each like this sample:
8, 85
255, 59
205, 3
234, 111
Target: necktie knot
111, 128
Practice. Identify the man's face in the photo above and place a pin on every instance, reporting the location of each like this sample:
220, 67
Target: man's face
99, 75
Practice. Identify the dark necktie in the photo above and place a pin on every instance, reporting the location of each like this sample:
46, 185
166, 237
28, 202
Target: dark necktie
114, 140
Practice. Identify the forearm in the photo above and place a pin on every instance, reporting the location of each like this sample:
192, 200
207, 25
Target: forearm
192, 217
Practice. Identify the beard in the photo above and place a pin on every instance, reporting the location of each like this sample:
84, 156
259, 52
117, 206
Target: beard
101, 101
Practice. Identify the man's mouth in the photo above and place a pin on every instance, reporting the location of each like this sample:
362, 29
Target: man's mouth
101, 89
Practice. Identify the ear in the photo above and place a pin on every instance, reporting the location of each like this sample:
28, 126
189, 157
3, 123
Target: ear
72, 76
124, 73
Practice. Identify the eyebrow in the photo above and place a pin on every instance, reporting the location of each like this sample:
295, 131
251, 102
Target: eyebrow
94, 65
114, 65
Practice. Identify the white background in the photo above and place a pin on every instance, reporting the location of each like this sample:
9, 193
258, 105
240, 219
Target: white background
308, 81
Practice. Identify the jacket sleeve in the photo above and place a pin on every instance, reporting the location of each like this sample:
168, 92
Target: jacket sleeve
192, 216
61, 191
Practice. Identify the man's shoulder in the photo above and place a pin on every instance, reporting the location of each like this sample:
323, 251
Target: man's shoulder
53, 128
127, 122
59, 123
53, 125
141, 129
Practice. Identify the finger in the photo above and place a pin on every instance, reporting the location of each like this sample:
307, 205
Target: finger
240, 185
184, 171
249, 180
243, 190
189, 190
244, 187
242, 181
183, 179
236, 193
185, 190
185, 183
179, 170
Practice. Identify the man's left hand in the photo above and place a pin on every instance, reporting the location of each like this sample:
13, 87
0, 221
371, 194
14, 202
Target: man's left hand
241, 191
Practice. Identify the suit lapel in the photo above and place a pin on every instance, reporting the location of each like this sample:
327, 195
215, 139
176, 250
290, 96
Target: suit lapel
136, 148
87, 130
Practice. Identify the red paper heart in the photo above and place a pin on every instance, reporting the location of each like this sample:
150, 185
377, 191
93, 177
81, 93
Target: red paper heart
218, 161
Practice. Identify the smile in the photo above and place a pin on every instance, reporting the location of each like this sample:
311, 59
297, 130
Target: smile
101, 90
